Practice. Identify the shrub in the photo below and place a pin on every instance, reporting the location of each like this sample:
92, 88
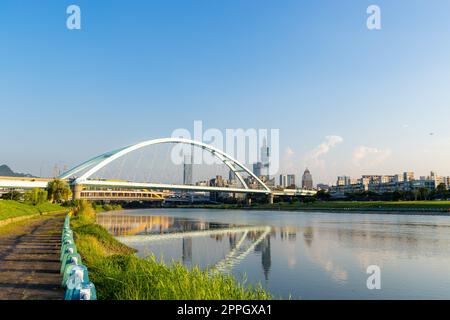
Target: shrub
84, 211
36, 196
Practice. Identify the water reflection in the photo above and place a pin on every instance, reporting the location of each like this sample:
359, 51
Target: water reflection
304, 255
136, 231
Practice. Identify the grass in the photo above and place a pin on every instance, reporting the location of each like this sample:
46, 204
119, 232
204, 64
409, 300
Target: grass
13, 209
119, 274
22, 227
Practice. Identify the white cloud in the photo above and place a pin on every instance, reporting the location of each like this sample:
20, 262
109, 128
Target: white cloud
288, 161
314, 155
289, 151
369, 156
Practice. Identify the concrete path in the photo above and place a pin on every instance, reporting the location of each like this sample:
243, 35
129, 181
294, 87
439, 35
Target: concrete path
29, 261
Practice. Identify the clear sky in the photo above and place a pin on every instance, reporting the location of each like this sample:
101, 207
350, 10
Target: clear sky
346, 100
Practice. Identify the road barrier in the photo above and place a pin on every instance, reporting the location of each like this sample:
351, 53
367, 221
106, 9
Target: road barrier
75, 274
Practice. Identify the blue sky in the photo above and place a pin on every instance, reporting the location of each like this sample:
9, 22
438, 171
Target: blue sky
140, 69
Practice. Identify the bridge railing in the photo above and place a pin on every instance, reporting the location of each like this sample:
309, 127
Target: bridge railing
75, 275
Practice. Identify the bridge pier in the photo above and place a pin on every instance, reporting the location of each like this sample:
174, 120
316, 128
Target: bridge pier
270, 198
248, 200
76, 194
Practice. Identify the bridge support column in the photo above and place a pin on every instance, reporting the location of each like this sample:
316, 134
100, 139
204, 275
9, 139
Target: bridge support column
248, 200
270, 198
77, 191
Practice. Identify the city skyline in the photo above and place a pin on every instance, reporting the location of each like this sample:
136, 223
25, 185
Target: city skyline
315, 72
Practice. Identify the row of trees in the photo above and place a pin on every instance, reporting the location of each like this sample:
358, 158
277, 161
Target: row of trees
440, 192
57, 191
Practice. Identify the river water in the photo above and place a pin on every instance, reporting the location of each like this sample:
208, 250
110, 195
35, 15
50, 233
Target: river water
302, 255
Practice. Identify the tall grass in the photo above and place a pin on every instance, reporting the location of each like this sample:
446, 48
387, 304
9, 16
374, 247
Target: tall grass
84, 211
120, 275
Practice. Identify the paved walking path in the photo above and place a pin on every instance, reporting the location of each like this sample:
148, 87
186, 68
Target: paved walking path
29, 261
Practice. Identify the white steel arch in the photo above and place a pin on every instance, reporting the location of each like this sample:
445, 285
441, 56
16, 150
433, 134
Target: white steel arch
97, 163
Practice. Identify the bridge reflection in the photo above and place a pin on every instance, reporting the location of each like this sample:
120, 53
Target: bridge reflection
136, 231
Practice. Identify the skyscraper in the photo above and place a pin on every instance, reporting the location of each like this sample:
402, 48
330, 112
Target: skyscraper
283, 180
307, 181
257, 168
265, 159
290, 180
187, 169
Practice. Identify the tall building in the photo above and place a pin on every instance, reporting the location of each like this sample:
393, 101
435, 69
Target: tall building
261, 168
286, 180
343, 181
447, 182
257, 169
290, 181
187, 170
265, 159
408, 176
307, 181
283, 180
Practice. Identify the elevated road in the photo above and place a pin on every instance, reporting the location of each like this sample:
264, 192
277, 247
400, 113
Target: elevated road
23, 182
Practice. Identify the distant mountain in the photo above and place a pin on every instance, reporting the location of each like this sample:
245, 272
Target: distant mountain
6, 171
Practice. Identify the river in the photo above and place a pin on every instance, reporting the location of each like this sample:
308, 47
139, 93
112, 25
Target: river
301, 255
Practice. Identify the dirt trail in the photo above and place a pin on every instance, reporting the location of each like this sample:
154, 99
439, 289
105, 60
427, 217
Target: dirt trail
29, 261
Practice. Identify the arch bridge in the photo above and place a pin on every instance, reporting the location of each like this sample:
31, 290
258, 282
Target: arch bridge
86, 186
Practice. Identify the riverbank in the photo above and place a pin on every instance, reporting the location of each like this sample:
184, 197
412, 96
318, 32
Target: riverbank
14, 211
411, 207
119, 274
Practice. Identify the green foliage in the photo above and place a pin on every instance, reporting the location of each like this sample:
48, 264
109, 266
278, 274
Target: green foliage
119, 274
84, 210
12, 209
107, 207
309, 199
323, 195
441, 188
58, 191
12, 195
36, 196
127, 277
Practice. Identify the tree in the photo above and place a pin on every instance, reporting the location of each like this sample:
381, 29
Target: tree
36, 196
12, 195
441, 188
424, 192
308, 199
58, 191
397, 195
323, 195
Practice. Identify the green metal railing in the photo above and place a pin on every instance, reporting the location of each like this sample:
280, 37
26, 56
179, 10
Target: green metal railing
75, 274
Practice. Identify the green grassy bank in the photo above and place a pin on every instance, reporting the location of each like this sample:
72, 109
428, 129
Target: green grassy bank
407, 206
119, 274
13, 209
